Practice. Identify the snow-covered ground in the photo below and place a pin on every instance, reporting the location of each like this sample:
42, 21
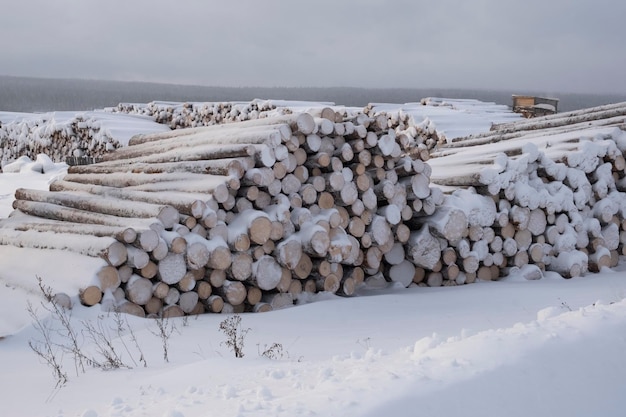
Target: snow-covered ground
453, 118
551, 347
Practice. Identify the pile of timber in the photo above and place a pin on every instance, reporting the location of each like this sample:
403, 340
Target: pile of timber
62, 136
424, 132
243, 216
42, 135
191, 114
86, 135
557, 192
248, 216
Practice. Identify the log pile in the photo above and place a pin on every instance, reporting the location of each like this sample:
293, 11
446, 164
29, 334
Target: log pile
556, 186
442, 120
424, 130
90, 135
64, 135
249, 215
187, 115
243, 216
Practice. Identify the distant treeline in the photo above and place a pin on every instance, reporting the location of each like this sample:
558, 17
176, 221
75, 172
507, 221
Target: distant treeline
22, 94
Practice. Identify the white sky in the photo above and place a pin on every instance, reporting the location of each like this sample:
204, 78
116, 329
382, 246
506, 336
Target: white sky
555, 45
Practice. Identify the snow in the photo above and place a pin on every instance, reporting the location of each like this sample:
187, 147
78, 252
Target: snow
529, 344
452, 118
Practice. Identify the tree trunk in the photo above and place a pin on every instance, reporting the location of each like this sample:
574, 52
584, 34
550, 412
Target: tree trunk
114, 252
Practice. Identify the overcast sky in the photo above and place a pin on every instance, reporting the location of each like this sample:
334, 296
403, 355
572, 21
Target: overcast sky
538, 45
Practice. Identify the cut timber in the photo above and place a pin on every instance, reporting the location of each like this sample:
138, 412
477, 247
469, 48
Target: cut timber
304, 267
278, 123
402, 273
601, 258
288, 252
329, 284
188, 301
127, 307
267, 273
448, 222
138, 290
569, 264
396, 255
423, 249
204, 290
380, 231
215, 303
197, 255
114, 252
122, 234
186, 203
256, 223
108, 278
181, 182
434, 279
254, 296
57, 212
172, 311
227, 167
137, 258
315, 240
172, 268
148, 240
241, 266
348, 286
195, 148
63, 300
90, 296
160, 290
221, 256
305, 123
278, 300
234, 292
153, 306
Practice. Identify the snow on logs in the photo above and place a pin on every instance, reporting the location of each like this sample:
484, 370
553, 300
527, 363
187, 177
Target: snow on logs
69, 136
558, 186
250, 215
246, 216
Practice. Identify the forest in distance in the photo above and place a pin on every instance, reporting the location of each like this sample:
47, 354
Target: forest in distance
32, 95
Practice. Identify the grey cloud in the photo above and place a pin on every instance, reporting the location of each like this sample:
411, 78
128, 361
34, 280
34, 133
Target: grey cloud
550, 45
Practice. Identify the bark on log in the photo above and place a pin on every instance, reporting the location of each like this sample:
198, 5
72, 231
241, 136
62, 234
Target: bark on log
120, 208
192, 204
114, 252
57, 212
122, 234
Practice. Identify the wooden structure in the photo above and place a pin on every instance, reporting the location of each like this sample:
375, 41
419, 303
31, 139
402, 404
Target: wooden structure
531, 106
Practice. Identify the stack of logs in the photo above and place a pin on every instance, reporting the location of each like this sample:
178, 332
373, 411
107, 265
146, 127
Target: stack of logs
186, 115
81, 135
30, 136
247, 216
243, 216
557, 189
